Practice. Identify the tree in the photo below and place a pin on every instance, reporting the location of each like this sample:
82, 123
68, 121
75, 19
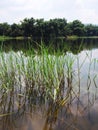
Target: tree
50, 29
77, 28
91, 30
4, 29
39, 27
68, 29
28, 26
54, 28
16, 30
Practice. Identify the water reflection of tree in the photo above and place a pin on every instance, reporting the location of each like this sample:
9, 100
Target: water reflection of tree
75, 46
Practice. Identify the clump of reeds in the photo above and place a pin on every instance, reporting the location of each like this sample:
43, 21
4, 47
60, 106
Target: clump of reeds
38, 73
34, 73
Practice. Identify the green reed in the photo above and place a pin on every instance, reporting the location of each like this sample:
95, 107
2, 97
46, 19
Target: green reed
41, 72
35, 72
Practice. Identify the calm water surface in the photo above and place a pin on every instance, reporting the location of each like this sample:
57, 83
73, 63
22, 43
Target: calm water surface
78, 109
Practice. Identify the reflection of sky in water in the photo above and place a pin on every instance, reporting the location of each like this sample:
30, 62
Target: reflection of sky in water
88, 71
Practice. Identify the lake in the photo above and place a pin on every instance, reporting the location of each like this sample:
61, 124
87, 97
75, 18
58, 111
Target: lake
49, 87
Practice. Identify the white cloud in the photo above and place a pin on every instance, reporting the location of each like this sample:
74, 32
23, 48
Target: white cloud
16, 10
87, 11
89, 16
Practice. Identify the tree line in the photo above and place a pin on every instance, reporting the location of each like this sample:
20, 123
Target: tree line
58, 27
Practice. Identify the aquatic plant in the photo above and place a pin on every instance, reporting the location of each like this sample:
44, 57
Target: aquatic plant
42, 72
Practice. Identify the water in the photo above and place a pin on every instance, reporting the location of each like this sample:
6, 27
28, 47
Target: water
76, 108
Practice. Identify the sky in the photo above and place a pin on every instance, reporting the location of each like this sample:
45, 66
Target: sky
14, 11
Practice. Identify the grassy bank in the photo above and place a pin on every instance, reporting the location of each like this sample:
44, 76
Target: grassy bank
3, 38
74, 37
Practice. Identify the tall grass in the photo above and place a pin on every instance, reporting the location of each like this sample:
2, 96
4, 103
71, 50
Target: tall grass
39, 73
36, 73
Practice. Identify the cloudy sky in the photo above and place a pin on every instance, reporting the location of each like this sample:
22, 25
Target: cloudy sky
16, 10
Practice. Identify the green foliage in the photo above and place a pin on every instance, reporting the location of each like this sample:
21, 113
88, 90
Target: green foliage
16, 30
5, 29
91, 30
28, 26
76, 28
39, 28
38, 71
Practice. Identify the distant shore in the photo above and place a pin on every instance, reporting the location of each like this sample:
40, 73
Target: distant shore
3, 38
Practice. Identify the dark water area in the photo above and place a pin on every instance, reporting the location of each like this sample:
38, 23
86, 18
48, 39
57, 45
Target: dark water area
76, 106
75, 46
